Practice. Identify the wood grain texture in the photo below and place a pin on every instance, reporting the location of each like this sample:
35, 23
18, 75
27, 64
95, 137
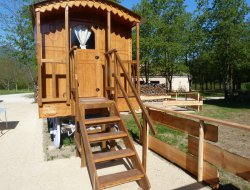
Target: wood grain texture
217, 122
50, 110
184, 124
221, 158
39, 55
118, 11
120, 178
138, 57
185, 161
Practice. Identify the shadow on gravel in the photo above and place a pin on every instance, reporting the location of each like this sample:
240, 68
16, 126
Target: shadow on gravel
194, 186
6, 127
228, 103
228, 187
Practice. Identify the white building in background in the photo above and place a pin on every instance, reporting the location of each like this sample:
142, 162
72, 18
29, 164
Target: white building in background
179, 83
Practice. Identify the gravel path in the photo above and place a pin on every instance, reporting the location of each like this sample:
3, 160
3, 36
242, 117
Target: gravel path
22, 164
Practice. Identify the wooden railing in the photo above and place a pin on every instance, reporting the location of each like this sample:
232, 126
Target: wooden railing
73, 80
202, 158
187, 99
115, 73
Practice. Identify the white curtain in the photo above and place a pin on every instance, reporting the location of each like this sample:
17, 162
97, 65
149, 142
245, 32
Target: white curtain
83, 35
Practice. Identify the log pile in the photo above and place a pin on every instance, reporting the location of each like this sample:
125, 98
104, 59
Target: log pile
150, 90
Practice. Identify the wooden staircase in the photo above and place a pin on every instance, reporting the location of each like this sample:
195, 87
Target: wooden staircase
115, 144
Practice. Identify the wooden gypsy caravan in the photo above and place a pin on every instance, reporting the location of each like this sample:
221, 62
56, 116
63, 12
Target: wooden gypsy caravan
86, 76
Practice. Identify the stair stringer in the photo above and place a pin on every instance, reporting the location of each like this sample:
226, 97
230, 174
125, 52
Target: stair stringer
143, 182
88, 153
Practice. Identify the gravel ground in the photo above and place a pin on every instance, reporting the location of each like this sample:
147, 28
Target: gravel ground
22, 164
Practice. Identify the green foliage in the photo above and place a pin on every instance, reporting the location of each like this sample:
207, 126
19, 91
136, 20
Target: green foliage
219, 50
211, 45
68, 141
163, 37
19, 35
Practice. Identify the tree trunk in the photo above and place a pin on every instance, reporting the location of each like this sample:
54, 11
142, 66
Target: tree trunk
8, 85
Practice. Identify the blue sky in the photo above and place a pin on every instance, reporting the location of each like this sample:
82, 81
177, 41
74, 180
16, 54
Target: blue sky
191, 5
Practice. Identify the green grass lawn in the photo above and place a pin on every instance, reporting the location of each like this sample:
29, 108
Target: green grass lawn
170, 136
237, 112
5, 92
212, 94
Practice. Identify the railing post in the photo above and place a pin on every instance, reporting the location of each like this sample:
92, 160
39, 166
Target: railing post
198, 97
138, 57
39, 55
115, 82
145, 133
67, 53
108, 47
201, 151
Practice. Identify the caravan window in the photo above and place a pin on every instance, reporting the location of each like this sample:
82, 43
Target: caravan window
83, 37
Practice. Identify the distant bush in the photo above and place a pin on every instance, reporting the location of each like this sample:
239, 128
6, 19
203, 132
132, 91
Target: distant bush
245, 86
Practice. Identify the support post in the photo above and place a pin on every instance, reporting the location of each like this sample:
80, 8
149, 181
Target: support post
198, 97
67, 53
201, 151
138, 57
109, 47
39, 56
145, 133
54, 80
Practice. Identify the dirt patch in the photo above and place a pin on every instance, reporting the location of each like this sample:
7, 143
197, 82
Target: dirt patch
50, 151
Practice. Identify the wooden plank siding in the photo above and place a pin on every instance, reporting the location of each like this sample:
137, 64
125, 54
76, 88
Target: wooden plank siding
54, 57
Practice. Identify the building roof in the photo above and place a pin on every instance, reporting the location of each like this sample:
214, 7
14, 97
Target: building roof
116, 9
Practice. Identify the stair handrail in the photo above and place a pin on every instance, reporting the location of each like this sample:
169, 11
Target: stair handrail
145, 114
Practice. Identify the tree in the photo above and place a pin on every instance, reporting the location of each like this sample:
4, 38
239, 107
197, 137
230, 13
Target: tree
162, 37
229, 32
19, 35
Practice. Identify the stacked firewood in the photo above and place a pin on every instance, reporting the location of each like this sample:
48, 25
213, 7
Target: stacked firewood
153, 90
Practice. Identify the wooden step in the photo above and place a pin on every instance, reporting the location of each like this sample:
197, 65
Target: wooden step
112, 155
102, 120
106, 136
95, 102
120, 178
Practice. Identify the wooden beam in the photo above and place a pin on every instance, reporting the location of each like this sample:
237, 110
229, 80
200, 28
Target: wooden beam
138, 57
201, 151
39, 56
53, 100
144, 111
67, 53
54, 86
182, 103
185, 161
205, 119
108, 69
53, 61
220, 158
129, 104
145, 143
183, 124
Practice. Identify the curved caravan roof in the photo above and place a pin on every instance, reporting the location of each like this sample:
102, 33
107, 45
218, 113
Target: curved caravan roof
104, 5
